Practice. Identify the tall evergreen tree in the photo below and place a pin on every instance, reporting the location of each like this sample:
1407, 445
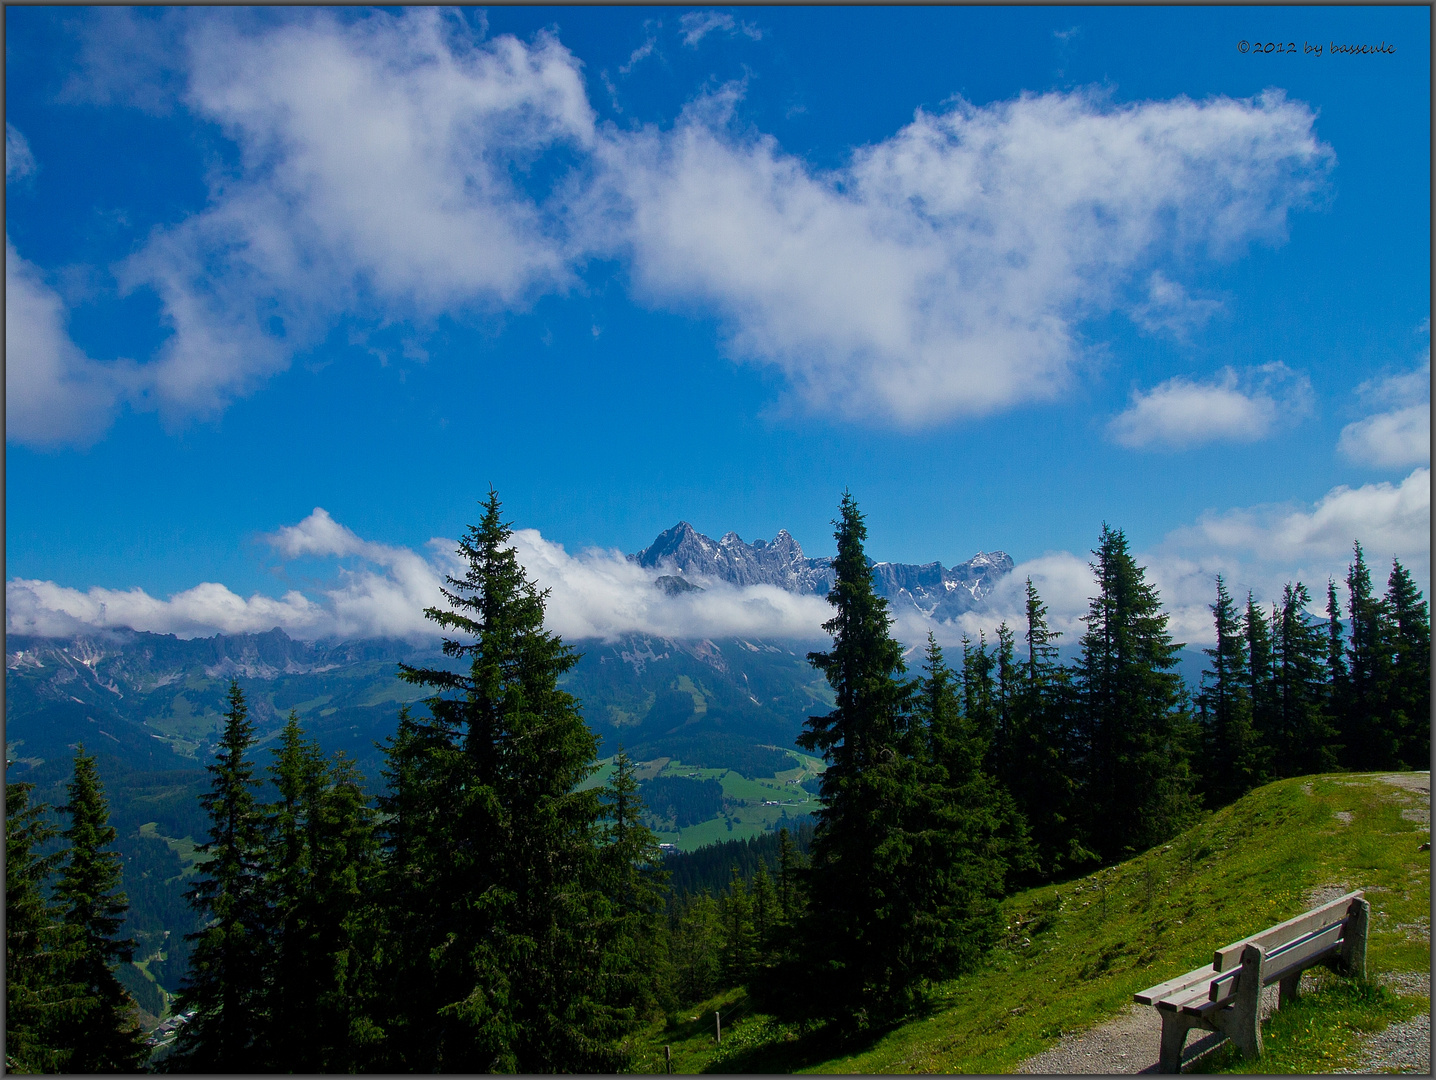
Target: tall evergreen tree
320, 862
511, 973
1234, 757
102, 1033
1261, 673
637, 974
1139, 790
1306, 737
1370, 741
38, 987
1337, 690
1407, 702
853, 929
225, 987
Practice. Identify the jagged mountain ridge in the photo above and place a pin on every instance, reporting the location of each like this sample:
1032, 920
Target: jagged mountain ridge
936, 591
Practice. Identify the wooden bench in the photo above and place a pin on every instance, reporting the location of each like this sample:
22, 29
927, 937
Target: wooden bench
1225, 995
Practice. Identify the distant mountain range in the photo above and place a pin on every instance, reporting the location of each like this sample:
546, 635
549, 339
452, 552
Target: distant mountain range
694, 560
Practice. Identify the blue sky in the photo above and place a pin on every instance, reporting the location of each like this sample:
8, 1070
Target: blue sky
1004, 273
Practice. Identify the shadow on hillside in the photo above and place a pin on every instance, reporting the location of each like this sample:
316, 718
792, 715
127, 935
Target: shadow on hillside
790, 1047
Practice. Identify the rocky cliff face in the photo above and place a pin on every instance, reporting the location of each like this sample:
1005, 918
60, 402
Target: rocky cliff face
935, 590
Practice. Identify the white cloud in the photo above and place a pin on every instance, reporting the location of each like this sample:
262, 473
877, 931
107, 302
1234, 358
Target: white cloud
377, 161
943, 271
1179, 413
1169, 309
1394, 519
19, 160
1398, 436
54, 393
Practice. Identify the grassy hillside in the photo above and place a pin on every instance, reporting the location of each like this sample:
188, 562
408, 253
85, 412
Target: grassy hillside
1075, 953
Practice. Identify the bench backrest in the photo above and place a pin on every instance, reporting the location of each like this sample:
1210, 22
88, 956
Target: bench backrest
1273, 938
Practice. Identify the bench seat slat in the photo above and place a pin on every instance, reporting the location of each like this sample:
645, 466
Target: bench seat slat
1152, 995
1230, 956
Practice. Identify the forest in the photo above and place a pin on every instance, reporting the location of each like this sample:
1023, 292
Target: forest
488, 912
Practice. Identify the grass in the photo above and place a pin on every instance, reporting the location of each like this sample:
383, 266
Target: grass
1073, 954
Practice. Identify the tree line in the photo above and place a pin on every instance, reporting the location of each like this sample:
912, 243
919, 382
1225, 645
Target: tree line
488, 912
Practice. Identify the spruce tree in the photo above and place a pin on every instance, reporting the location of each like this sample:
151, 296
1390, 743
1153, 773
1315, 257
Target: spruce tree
1370, 741
101, 1033
853, 930
320, 864
1305, 737
1261, 675
1139, 790
509, 950
635, 884
1042, 765
1235, 760
1337, 690
1407, 703
38, 988
225, 986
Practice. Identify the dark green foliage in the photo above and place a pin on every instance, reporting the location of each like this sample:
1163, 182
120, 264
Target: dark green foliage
492, 868
910, 849
682, 800
1040, 756
707, 869
225, 986
1139, 788
98, 1030
1302, 736
321, 864
1234, 759
35, 986
1370, 742
637, 973
1407, 697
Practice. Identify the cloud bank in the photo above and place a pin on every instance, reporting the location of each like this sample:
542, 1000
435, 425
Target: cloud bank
394, 168
382, 591
1399, 435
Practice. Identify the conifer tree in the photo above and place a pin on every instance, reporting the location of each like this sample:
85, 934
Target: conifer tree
853, 930
1305, 738
1234, 756
637, 969
37, 989
1260, 673
509, 953
1336, 677
101, 1033
790, 866
740, 939
320, 861
1408, 697
1042, 766
1139, 791
225, 987
1370, 741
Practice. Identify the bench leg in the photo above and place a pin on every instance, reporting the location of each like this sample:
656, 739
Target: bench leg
1174, 1036
1290, 988
1242, 1022
1353, 944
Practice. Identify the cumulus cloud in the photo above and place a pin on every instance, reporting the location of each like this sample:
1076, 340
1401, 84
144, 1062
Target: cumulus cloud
1180, 413
54, 393
393, 168
377, 173
943, 271
19, 160
1400, 435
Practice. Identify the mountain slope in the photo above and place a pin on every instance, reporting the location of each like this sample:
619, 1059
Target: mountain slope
1075, 953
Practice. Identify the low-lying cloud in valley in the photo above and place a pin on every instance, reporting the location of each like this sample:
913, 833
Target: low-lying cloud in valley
377, 590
